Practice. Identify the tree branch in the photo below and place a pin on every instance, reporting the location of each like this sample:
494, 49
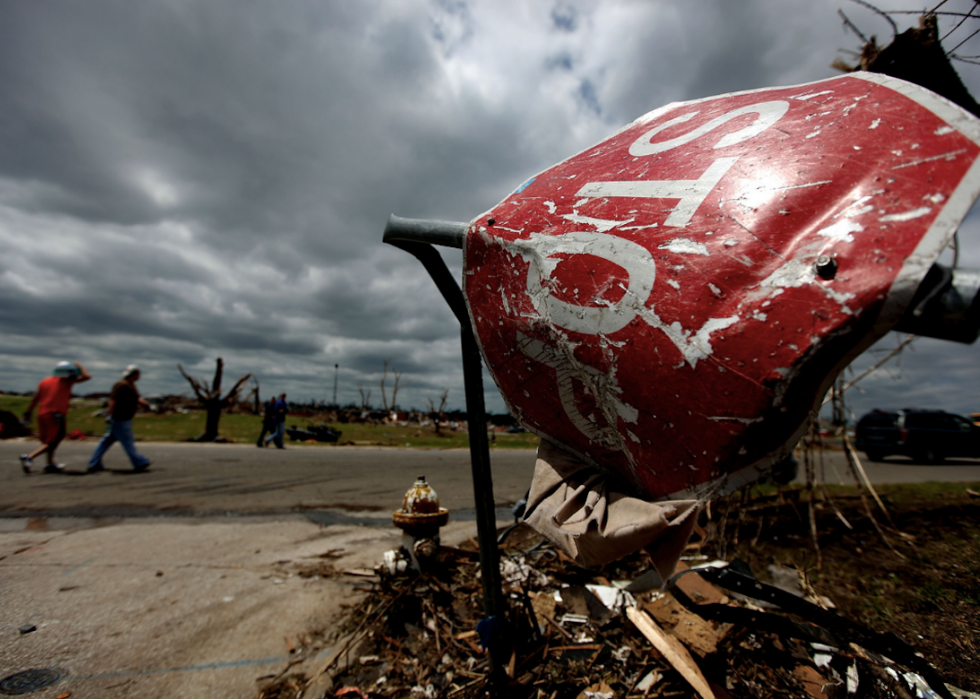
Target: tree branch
850, 25
195, 384
884, 14
233, 393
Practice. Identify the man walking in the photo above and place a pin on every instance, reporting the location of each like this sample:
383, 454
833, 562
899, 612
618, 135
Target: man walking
268, 421
123, 402
280, 423
51, 400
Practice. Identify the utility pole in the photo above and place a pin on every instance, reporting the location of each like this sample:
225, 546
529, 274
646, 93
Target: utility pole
336, 368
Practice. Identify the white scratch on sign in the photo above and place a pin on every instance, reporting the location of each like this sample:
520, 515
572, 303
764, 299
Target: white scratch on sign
811, 95
908, 215
942, 156
601, 386
600, 224
792, 274
841, 230
799, 272
793, 186
683, 246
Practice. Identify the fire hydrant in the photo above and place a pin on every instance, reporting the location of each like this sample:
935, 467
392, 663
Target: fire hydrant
420, 518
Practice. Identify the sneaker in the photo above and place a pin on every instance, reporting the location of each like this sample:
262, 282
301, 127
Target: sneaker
96, 468
143, 467
26, 462
54, 468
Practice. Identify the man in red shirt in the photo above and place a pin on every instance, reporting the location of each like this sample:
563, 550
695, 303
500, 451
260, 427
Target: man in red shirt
51, 400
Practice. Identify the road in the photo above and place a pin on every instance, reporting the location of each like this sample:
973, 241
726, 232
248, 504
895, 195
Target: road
895, 469
127, 603
123, 602
208, 479
200, 479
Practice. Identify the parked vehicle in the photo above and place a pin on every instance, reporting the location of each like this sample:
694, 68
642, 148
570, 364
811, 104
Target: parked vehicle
925, 435
785, 471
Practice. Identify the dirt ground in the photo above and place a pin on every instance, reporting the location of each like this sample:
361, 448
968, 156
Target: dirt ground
912, 572
923, 585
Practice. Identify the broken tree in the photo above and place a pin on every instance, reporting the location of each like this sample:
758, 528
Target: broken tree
211, 400
915, 55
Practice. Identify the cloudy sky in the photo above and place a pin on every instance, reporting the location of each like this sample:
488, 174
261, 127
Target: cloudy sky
187, 179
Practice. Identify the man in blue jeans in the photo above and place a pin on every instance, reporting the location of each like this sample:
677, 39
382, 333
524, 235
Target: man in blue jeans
123, 402
281, 409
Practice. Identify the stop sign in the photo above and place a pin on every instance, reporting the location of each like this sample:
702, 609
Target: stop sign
671, 304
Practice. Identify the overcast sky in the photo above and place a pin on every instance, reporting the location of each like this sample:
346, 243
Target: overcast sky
187, 179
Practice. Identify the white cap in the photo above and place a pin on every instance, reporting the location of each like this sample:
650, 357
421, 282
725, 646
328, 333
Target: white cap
65, 370
130, 370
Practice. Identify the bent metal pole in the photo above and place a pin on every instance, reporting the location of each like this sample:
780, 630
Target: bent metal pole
415, 236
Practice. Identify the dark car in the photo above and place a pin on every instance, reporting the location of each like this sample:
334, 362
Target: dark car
924, 435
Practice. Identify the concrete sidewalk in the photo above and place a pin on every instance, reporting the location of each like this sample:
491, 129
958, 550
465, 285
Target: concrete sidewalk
177, 607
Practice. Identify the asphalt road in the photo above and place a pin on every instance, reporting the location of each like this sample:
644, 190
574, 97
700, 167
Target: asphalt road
200, 479
128, 603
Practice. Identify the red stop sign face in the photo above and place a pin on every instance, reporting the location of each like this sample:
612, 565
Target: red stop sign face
655, 305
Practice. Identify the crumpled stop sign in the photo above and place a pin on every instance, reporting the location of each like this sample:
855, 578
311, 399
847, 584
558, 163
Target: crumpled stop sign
655, 304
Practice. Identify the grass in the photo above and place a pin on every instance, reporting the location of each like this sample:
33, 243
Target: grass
245, 428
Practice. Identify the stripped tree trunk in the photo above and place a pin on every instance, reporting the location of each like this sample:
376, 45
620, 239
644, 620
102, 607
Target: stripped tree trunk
211, 400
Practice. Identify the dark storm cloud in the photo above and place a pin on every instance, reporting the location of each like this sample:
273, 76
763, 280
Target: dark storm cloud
562, 61
565, 17
589, 98
181, 180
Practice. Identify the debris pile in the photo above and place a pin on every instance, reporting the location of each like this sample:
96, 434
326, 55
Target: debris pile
11, 426
313, 433
591, 633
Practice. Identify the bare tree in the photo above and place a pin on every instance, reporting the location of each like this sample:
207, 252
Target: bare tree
211, 400
437, 414
365, 398
394, 391
253, 395
917, 54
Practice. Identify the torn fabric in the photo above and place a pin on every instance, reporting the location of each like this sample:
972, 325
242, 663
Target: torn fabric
578, 509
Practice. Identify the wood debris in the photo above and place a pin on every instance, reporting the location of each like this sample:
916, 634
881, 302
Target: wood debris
576, 634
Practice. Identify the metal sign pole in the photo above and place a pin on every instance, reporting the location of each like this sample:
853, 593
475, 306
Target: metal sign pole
414, 237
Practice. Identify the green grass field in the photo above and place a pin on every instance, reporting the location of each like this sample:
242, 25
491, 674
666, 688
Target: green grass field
237, 427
